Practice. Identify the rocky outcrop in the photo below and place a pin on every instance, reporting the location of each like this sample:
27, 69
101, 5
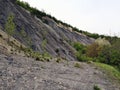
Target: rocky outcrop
43, 37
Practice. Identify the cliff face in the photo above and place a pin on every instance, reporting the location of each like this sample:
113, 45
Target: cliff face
43, 37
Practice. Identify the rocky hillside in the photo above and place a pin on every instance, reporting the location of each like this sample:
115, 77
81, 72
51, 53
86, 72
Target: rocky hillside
44, 37
26, 65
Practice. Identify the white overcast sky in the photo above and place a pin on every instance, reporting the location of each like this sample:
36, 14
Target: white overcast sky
96, 16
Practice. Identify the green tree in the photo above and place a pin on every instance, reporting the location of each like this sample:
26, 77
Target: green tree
111, 54
10, 26
93, 50
79, 47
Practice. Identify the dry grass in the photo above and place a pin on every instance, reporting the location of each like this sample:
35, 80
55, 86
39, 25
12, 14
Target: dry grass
11, 47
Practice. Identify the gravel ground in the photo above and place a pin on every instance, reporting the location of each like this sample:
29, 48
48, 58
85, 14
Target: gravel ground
21, 73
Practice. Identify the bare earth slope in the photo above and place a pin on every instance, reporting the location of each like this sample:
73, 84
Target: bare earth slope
21, 73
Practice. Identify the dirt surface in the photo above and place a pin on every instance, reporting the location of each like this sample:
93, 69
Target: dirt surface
21, 73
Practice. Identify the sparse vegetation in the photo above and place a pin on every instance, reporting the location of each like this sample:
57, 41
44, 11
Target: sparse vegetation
22, 33
44, 43
10, 26
58, 60
111, 71
37, 55
96, 87
81, 52
37, 59
77, 65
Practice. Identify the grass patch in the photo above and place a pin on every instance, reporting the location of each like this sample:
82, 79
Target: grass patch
77, 65
111, 72
37, 55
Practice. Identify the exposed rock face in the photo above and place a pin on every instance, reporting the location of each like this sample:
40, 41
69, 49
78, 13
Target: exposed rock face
13, 1
42, 37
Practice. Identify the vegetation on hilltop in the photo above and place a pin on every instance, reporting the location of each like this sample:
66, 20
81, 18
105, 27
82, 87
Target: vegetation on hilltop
41, 14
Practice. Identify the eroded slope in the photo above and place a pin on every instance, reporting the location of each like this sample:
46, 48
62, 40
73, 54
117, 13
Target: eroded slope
43, 37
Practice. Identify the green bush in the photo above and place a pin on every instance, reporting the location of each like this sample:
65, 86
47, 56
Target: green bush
111, 54
96, 87
79, 47
58, 60
82, 57
93, 50
37, 59
10, 26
